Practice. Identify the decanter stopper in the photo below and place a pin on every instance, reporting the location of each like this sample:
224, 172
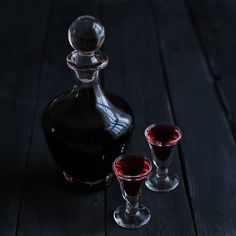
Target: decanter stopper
86, 35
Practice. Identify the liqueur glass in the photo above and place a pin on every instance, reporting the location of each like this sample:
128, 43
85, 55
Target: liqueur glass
162, 139
131, 172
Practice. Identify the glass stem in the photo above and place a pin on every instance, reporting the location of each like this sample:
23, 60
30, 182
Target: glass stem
162, 172
132, 205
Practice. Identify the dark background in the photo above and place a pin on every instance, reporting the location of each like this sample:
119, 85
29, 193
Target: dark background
173, 61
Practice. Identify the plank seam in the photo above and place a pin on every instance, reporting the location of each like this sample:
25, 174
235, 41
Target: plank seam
105, 209
180, 152
100, 13
173, 117
33, 118
216, 78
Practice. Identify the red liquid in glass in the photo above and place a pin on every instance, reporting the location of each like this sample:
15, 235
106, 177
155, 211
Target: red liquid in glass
132, 170
162, 138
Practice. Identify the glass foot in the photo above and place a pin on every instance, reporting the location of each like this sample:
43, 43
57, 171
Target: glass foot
161, 185
137, 220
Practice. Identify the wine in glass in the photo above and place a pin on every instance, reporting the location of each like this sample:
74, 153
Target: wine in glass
162, 138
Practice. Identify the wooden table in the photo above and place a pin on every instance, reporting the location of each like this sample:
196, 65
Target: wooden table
173, 61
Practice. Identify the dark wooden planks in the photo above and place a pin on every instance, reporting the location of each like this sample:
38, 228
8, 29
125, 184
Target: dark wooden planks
208, 148
48, 207
22, 37
135, 73
215, 25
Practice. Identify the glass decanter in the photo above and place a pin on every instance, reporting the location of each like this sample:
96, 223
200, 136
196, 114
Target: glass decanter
87, 129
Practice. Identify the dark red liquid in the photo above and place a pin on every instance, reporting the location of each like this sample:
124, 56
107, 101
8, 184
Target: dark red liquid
162, 138
132, 171
85, 137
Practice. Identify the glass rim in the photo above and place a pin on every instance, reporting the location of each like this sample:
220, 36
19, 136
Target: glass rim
131, 177
161, 144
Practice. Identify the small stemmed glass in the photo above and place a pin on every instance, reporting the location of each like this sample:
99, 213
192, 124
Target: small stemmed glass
131, 172
162, 138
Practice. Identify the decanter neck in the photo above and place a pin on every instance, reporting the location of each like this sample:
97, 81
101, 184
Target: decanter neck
91, 81
90, 92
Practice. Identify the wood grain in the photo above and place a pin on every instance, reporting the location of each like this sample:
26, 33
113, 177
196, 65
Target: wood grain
215, 26
209, 151
22, 38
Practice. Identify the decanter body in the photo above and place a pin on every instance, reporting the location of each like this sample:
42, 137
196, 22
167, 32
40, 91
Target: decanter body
87, 129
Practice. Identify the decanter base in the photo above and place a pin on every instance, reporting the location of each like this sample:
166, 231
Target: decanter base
79, 185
